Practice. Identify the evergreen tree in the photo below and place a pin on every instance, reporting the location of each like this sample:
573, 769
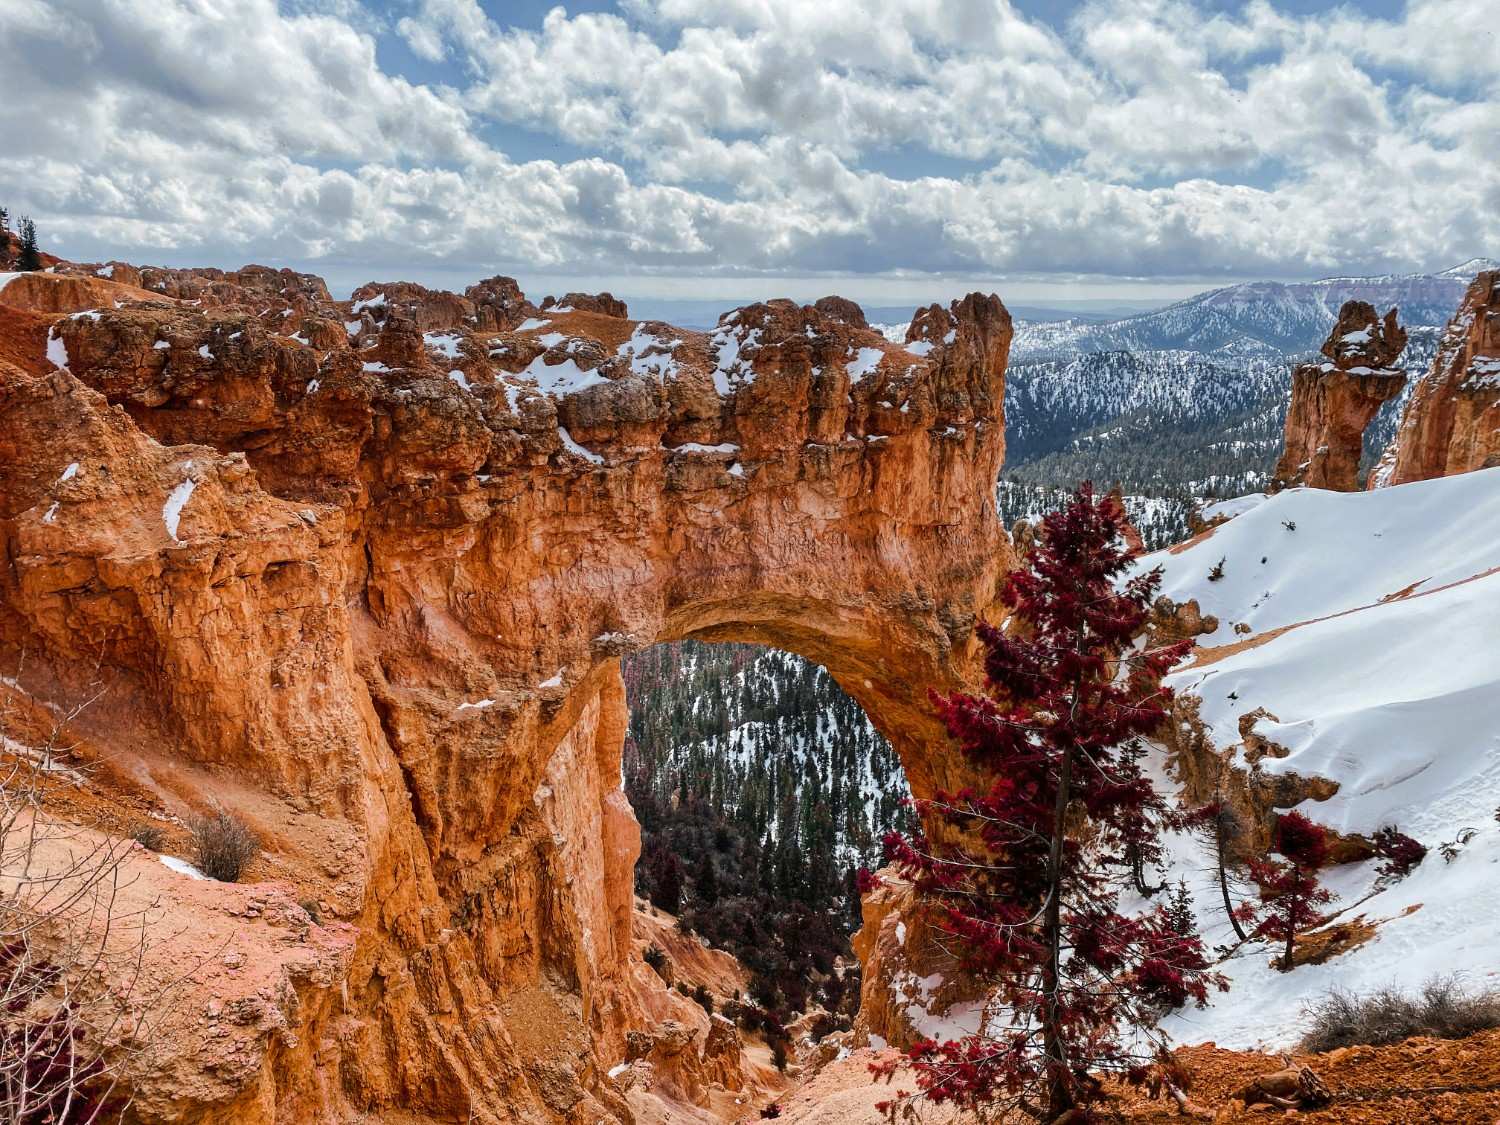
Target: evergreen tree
664, 871
1180, 914
4, 239
1030, 904
705, 882
29, 258
1290, 891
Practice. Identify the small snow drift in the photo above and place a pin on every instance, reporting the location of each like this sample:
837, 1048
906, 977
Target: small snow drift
1374, 644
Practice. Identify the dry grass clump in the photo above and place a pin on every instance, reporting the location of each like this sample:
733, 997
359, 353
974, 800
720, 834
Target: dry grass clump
1443, 1009
223, 845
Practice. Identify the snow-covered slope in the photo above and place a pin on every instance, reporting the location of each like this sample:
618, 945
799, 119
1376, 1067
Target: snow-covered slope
1308, 553
1375, 643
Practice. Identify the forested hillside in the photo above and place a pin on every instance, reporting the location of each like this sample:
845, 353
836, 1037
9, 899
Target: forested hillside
760, 787
1166, 424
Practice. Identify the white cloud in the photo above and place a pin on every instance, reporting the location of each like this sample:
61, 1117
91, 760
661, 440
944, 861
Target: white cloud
1146, 138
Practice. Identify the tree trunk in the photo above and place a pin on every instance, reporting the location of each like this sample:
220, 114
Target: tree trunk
1291, 934
1224, 885
1059, 1087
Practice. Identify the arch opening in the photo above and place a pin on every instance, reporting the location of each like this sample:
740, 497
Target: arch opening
761, 787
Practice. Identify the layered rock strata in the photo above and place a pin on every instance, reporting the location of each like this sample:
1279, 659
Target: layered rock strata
361, 572
1452, 421
1334, 400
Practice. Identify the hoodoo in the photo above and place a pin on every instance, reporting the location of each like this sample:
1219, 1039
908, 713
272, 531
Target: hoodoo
1452, 422
1334, 400
361, 573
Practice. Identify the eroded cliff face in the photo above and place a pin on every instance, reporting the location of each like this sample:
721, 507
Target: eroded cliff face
1452, 421
1334, 400
362, 572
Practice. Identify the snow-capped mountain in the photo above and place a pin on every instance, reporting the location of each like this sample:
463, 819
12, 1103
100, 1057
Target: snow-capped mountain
1268, 318
1194, 396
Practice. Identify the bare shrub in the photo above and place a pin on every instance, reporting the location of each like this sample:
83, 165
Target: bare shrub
150, 836
73, 1006
223, 845
1443, 1009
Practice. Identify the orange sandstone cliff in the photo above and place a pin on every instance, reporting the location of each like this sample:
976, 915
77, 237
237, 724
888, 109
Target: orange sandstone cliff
1452, 422
362, 572
1334, 400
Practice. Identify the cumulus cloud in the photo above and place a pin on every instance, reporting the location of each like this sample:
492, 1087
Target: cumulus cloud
1144, 138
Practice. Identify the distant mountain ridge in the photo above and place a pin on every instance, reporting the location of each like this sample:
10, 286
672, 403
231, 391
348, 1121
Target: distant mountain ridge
1257, 317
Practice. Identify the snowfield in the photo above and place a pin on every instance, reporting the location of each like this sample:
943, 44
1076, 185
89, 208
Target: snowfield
1343, 550
1375, 645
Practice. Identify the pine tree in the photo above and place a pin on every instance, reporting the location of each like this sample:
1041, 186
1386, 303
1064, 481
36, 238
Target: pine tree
29, 258
1031, 904
1290, 891
1180, 914
4, 239
705, 882
664, 872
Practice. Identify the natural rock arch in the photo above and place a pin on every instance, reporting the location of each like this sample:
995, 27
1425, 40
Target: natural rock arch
386, 626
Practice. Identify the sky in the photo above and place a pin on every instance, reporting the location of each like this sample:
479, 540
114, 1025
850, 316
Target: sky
890, 150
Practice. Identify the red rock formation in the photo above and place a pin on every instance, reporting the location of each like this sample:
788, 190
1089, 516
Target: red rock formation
372, 598
605, 304
1452, 421
493, 305
1128, 530
12, 241
1333, 401
62, 292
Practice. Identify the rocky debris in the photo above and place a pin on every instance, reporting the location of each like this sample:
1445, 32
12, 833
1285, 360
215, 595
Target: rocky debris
1455, 1082
1333, 401
354, 581
1452, 420
1292, 1087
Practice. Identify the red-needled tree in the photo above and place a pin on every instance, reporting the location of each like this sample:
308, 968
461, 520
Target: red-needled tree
1290, 892
1030, 900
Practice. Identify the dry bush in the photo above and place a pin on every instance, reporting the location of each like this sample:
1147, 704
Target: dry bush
223, 845
1442, 1010
74, 1009
150, 836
